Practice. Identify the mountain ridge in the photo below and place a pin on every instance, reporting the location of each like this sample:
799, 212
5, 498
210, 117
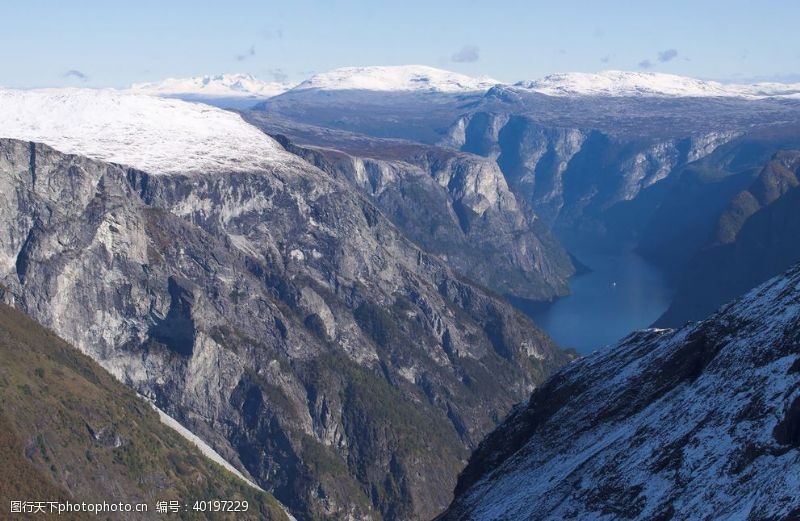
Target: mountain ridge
459, 207
755, 238
229, 85
695, 423
423, 78
264, 310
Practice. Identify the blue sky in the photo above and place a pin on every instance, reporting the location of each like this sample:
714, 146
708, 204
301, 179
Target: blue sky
115, 43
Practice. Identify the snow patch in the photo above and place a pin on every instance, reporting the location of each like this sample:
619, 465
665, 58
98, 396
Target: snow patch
409, 373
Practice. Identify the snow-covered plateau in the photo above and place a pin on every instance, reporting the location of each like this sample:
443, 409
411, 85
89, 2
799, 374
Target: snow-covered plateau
216, 86
401, 78
624, 84
149, 133
421, 78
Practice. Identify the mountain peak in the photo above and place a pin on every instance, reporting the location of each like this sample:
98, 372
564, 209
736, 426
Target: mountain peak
418, 78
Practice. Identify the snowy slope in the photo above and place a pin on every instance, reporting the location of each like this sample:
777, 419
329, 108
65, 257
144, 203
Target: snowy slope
621, 83
415, 78
698, 423
149, 133
220, 86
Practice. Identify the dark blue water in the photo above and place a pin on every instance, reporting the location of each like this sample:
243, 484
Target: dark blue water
621, 293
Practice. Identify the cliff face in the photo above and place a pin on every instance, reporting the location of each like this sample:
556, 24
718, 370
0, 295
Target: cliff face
572, 175
779, 176
279, 315
460, 208
755, 238
642, 168
695, 423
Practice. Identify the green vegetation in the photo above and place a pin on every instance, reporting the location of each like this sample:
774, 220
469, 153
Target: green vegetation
68, 430
385, 428
376, 322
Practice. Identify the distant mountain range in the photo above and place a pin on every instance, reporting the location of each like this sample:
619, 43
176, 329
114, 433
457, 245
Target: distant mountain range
227, 88
417, 78
648, 159
230, 90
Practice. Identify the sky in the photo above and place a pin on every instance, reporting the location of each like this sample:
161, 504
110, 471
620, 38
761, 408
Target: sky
113, 43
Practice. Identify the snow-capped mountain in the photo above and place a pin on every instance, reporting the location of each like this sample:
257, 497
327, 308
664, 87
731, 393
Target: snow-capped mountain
696, 423
400, 78
421, 78
622, 84
149, 133
409, 102
220, 86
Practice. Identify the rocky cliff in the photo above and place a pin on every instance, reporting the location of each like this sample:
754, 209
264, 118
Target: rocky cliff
458, 207
572, 175
276, 313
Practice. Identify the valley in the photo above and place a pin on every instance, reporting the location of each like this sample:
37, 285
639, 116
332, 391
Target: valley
616, 293
348, 285
627, 181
